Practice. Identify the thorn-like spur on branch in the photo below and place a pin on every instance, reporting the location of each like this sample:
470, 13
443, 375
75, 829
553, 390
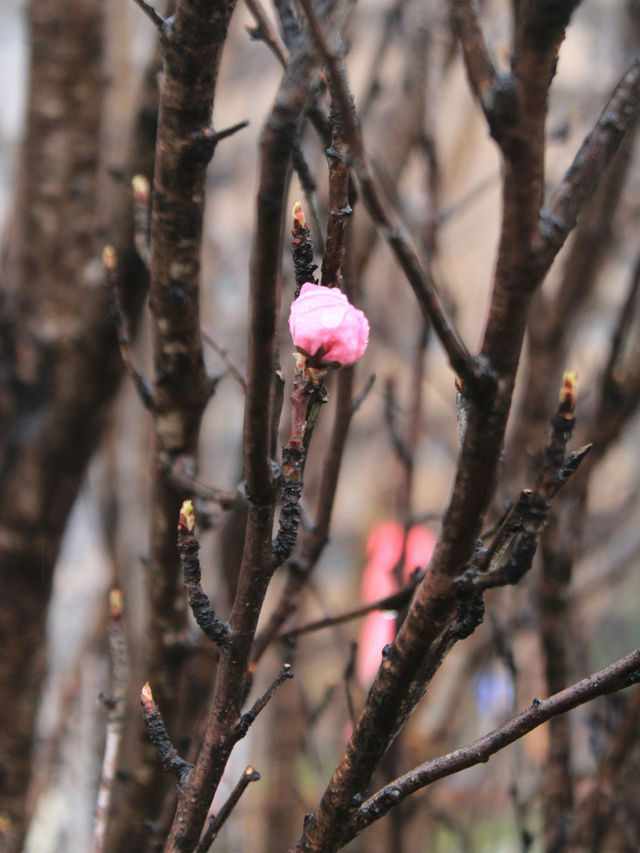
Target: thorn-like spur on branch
249, 717
154, 16
210, 625
204, 142
141, 218
217, 822
157, 731
302, 250
110, 267
383, 214
559, 216
616, 676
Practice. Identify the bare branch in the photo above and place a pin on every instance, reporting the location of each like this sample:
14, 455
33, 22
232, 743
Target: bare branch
390, 602
561, 212
623, 673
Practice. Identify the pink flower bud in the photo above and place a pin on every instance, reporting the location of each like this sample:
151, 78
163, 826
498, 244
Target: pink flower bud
326, 327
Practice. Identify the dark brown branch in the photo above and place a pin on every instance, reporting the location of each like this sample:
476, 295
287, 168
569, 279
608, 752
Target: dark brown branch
623, 673
480, 68
339, 208
188, 546
561, 212
192, 47
216, 823
256, 568
159, 737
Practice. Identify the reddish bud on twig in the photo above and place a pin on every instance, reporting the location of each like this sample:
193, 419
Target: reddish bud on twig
115, 603
146, 697
109, 258
187, 519
140, 186
299, 219
568, 389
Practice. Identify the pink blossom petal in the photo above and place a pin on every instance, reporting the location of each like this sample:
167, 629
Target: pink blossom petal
323, 322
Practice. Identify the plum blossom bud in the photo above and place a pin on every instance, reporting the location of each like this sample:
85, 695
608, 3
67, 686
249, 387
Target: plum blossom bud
326, 327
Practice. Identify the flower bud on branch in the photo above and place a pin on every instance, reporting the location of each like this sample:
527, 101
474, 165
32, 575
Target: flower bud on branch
326, 328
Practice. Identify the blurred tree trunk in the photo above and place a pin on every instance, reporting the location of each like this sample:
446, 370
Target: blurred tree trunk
59, 361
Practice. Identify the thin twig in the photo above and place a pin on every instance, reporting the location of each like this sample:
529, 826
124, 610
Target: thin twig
115, 716
182, 476
390, 602
249, 717
216, 823
234, 370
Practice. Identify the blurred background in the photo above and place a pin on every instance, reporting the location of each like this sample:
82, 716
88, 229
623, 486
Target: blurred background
430, 145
